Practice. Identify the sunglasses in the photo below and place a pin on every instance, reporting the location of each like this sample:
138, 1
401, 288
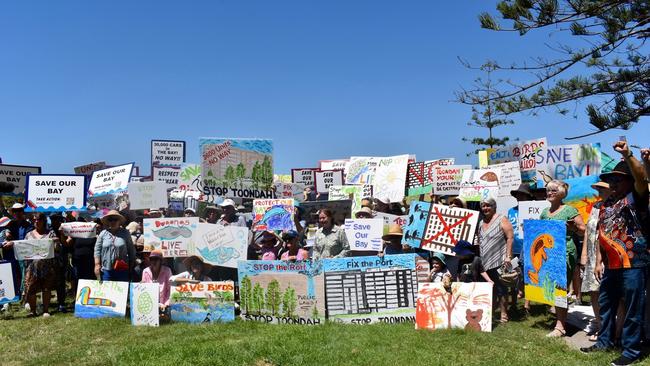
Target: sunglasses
112, 219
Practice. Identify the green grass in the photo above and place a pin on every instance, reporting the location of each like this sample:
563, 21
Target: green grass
63, 339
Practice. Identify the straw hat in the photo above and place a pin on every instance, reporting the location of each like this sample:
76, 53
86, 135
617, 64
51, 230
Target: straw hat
394, 231
364, 211
113, 213
195, 258
600, 184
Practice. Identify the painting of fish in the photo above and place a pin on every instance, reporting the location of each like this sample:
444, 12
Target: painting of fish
545, 273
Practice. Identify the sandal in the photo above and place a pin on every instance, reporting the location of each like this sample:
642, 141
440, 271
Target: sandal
557, 333
504, 319
593, 337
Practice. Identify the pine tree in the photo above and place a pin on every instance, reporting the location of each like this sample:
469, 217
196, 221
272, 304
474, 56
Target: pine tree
273, 297
258, 299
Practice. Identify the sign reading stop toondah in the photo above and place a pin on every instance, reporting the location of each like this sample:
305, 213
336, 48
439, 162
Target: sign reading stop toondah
167, 153
47, 193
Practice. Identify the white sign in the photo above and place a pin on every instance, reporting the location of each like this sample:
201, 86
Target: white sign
88, 169
144, 195
290, 190
510, 181
337, 164
530, 210
364, 234
56, 193
15, 174
144, 299
327, 178
221, 245
7, 292
79, 230
174, 236
304, 176
390, 178
34, 249
480, 184
446, 179
170, 176
110, 180
167, 153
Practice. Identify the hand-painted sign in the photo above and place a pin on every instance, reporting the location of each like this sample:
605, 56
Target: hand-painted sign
174, 236
101, 299
365, 234
167, 153
568, 162
88, 169
145, 195
273, 214
144, 298
204, 302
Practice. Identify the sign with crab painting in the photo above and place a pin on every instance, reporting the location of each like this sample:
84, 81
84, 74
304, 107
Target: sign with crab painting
545, 276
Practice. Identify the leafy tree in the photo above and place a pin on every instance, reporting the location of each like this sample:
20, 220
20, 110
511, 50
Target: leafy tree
258, 299
229, 177
608, 67
267, 173
289, 302
246, 294
240, 172
273, 297
257, 174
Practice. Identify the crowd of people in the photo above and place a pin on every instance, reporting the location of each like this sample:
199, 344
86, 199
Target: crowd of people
606, 257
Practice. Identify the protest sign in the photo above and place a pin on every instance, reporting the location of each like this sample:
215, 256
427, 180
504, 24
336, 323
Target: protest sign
145, 195
282, 178
336, 164
567, 162
581, 195
79, 230
390, 178
306, 176
447, 179
353, 193
327, 178
290, 190
170, 176
273, 214
510, 180
189, 177
420, 175
364, 234
342, 210
232, 165
390, 219
527, 153
167, 153
15, 174
281, 292
438, 228
204, 302
467, 306
364, 290
221, 245
529, 210
360, 170
174, 236
106, 299
144, 299
88, 169
545, 276
110, 180
7, 291
46, 193
32, 249
480, 184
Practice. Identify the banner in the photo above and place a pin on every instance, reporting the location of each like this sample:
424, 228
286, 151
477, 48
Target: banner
7, 291
438, 228
79, 230
281, 292
468, 306
105, 299
47, 193
306, 176
174, 236
204, 302
169, 176
529, 210
364, 290
527, 153
110, 180
365, 234
273, 214
189, 178
327, 178
360, 170
167, 153
88, 169
236, 164
15, 174
146, 195
33, 249
544, 252
390, 178
221, 245
447, 179
477, 185
567, 162
144, 299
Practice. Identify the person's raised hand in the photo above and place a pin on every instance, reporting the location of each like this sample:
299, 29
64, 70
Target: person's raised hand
645, 155
622, 148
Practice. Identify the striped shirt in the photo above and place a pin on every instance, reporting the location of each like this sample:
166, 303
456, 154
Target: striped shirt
492, 240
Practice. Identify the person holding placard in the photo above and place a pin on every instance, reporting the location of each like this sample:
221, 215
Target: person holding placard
82, 256
556, 191
61, 255
293, 250
114, 250
41, 274
330, 241
160, 274
15, 230
197, 271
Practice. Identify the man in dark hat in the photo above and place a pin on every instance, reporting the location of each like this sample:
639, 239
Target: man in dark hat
623, 226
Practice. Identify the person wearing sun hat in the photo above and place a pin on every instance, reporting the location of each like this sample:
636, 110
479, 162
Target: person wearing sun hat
160, 274
623, 234
364, 213
393, 240
197, 271
438, 268
16, 229
114, 250
230, 216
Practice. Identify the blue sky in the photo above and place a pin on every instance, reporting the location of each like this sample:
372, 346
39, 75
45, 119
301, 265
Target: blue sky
84, 81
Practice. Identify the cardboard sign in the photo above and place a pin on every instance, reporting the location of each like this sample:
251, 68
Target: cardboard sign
273, 214
353, 193
281, 292
364, 290
204, 302
530, 210
336, 164
189, 179
169, 176
290, 190
327, 178
527, 153
438, 228
361, 170
467, 306
306, 176
365, 234
420, 175
146, 195
390, 178
33, 249
221, 245
88, 169
510, 180
174, 236
390, 219
447, 179
480, 184
545, 276
110, 180
144, 299
105, 299
7, 291
79, 230
15, 174
47, 193
167, 153
568, 162
232, 164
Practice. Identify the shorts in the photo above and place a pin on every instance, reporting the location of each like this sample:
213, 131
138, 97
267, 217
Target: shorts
500, 290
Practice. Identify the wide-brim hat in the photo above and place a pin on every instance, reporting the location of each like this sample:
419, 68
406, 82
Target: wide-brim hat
187, 262
17, 206
156, 253
113, 213
600, 184
228, 202
394, 231
463, 247
364, 210
440, 257
522, 189
621, 169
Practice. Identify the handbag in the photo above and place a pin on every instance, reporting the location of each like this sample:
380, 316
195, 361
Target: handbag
119, 264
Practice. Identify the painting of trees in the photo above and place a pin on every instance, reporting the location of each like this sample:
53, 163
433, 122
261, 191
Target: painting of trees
240, 173
273, 297
246, 294
229, 176
289, 302
257, 303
